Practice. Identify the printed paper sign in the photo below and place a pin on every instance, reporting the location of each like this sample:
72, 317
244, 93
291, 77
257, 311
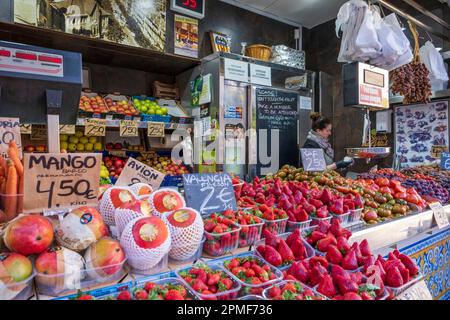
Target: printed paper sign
136, 172
56, 181
9, 130
305, 103
260, 75
440, 215
236, 70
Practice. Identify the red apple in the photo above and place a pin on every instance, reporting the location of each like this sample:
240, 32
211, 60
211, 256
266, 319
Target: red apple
150, 232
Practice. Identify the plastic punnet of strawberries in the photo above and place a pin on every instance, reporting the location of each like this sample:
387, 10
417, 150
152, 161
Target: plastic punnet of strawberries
254, 273
251, 225
275, 219
291, 290
167, 291
210, 283
221, 235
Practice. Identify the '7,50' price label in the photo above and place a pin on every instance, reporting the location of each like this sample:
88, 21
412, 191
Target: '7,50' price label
95, 127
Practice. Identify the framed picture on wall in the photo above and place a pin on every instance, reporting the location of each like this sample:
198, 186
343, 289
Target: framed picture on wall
220, 42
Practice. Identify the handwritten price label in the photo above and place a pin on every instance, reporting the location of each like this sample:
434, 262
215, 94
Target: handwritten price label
25, 128
38, 132
95, 127
9, 130
418, 291
313, 159
128, 128
137, 172
67, 128
155, 129
59, 181
440, 215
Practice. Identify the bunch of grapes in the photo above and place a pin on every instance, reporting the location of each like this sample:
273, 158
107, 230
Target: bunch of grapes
428, 188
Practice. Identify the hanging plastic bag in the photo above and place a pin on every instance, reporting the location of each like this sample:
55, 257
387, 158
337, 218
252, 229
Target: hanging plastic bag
435, 64
406, 55
366, 42
390, 51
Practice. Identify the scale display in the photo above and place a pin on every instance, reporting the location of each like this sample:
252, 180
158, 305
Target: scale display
193, 8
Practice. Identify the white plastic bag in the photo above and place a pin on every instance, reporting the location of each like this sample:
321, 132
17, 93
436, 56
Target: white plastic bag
366, 42
406, 55
434, 62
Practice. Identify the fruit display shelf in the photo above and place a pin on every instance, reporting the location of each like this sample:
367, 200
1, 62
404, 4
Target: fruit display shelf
183, 123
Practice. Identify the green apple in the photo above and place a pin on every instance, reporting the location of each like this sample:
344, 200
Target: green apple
73, 139
79, 134
63, 137
98, 146
151, 111
80, 147
159, 112
92, 139
72, 147
144, 109
164, 110
64, 145
89, 146
84, 140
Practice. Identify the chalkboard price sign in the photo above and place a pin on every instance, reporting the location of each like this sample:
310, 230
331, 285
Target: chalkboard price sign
209, 192
313, 159
445, 161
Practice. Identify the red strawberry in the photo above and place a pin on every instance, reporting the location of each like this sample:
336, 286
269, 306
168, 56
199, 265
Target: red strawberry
339, 271
235, 262
368, 261
261, 249
316, 236
301, 215
213, 278
394, 278
124, 295
345, 285
270, 238
359, 256
227, 284
149, 286
295, 235
342, 245
326, 287
357, 277
381, 268
173, 295
141, 294
317, 273
286, 253
346, 233
409, 263
323, 226
366, 296
212, 288
290, 277
199, 285
333, 255
364, 248
274, 292
85, 297
318, 260
349, 261
272, 256
351, 296
299, 271
405, 275
393, 263
322, 245
298, 248
249, 273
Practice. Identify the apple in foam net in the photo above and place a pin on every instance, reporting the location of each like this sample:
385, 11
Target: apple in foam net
165, 200
150, 232
119, 197
29, 234
182, 218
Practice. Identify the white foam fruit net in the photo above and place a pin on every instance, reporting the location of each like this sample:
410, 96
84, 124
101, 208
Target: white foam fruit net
123, 216
138, 186
152, 204
140, 258
107, 208
185, 240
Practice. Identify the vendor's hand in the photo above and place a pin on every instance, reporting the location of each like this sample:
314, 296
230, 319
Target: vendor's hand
346, 162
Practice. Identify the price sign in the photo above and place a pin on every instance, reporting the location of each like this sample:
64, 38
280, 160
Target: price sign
136, 172
67, 128
95, 127
418, 291
209, 193
445, 161
38, 132
439, 215
313, 159
128, 128
57, 181
9, 130
25, 128
155, 129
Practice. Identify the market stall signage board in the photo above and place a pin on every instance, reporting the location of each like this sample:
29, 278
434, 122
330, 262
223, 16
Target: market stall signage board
95, 127
128, 128
260, 75
418, 291
236, 70
445, 161
440, 215
57, 181
137, 172
313, 159
9, 130
209, 192
67, 128
155, 129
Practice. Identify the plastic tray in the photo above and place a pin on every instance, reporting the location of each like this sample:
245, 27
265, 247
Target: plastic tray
277, 226
309, 250
116, 98
254, 289
197, 255
252, 235
355, 215
21, 290
65, 283
224, 245
251, 297
397, 291
161, 266
316, 221
291, 226
344, 218
225, 295
281, 284
191, 294
105, 293
92, 95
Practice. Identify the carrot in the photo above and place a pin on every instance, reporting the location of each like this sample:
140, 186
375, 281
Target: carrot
3, 166
11, 191
13, 153
2, 185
